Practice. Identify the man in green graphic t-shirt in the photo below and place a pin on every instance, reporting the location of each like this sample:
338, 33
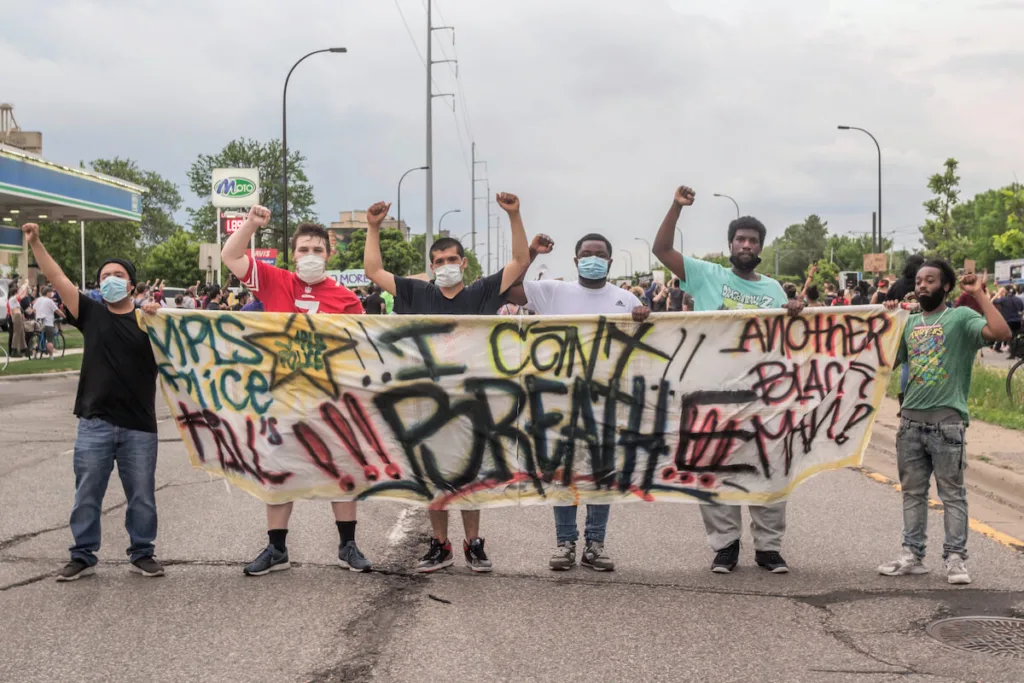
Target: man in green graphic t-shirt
713, 288
939, 345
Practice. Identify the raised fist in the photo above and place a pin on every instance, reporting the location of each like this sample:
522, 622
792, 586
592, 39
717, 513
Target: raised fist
685, 195
970, 283
508, 201
31, 231
376, 214
542, 244
258, 216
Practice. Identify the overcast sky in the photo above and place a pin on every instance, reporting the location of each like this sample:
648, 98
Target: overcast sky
591, 110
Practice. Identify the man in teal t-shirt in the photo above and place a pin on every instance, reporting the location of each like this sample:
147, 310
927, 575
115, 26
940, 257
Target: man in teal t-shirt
939, 344
714, 288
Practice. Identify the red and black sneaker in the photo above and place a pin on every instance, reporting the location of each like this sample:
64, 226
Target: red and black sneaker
476, 558
438, 557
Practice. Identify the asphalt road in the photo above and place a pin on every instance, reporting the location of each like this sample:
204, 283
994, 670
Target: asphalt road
661, 616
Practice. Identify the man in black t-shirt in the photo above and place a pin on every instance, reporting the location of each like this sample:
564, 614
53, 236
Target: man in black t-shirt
373, 304
448, 295
116, 411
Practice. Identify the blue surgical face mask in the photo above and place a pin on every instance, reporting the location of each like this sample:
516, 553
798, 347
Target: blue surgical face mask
592, 268
113, 289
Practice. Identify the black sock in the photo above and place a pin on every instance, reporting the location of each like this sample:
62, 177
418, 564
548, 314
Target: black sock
347, 531
277, 537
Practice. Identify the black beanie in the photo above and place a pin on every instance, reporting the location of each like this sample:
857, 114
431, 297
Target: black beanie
129, 268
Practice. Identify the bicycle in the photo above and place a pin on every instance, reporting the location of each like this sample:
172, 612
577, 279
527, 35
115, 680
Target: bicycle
1015, 379
4, 359
37, 342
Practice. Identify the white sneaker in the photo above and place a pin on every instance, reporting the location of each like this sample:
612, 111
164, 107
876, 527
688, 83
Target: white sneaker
906, 563
956, 571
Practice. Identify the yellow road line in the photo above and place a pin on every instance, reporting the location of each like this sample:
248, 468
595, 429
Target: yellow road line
975, 525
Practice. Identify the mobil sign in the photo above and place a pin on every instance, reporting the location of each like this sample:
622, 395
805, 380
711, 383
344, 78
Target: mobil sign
235, 187
350, 278
268, 256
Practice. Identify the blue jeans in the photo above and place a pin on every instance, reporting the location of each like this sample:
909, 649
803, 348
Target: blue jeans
565, 523
98, 446
923, 449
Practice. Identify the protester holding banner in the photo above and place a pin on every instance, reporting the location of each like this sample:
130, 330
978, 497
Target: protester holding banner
116, 410
939, 345
307, 290
714, 287
591, 294
449, 295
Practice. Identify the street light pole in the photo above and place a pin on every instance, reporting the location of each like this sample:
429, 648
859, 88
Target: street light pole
441, 220
650, 269
418, 168
878, 147
284, 141
627, 253
731, 200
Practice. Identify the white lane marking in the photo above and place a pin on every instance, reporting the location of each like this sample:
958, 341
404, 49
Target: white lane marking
402, 528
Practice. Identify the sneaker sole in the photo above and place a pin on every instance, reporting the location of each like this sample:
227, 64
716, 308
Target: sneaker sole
436, 567
88, 571
149, 575
566, 568
596, 568
274, 568
916, 571
777, 570
723, 570
345, 565
959, 580
478, 569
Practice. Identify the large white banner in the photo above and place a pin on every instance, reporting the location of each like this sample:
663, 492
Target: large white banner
731, 407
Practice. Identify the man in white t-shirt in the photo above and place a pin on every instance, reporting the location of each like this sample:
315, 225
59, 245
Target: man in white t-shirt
591, 294
46, 309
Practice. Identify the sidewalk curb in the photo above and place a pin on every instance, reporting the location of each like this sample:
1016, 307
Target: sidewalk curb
975, 525
40, 375
996, 483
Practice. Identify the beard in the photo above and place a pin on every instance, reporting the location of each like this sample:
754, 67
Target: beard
929, 302
746, 265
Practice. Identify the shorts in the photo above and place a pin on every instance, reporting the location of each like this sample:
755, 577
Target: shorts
50, 334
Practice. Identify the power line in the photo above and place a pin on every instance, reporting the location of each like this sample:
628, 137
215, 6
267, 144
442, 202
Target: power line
415, 45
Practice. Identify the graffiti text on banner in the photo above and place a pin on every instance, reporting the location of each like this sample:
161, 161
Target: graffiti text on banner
731, 407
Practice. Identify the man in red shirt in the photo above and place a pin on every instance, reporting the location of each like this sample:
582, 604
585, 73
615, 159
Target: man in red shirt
307, 290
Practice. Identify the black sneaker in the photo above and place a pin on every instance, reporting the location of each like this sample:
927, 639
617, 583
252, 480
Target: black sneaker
772, 561
727, 558
476, 558
438, 557
75, 570
147, 566
270, 560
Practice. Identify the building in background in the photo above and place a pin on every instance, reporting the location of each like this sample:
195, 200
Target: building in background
13, 136
349, 222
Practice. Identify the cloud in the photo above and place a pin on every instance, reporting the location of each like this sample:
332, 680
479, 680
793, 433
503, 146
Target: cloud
591, 111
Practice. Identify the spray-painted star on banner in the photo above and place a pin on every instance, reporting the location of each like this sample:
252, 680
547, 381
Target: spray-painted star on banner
302, 351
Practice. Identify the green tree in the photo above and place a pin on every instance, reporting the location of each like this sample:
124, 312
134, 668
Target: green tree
397, 255
827, 272
266, 156
848, 251
940, 234
107, 239
175, 260
1010, 243
801, 245
159, 203
719, 258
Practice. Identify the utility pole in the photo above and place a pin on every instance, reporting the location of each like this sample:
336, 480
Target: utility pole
487, 268
430, 129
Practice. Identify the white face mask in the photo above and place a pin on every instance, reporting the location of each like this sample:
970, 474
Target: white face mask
449, 275
311, 269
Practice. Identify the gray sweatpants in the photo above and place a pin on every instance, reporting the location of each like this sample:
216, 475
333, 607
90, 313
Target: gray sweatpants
724, 523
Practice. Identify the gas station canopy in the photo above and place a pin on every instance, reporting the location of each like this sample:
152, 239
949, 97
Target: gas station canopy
33, 189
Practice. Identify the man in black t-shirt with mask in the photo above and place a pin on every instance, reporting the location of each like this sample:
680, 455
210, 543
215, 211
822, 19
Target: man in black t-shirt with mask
116, 411
448, 295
